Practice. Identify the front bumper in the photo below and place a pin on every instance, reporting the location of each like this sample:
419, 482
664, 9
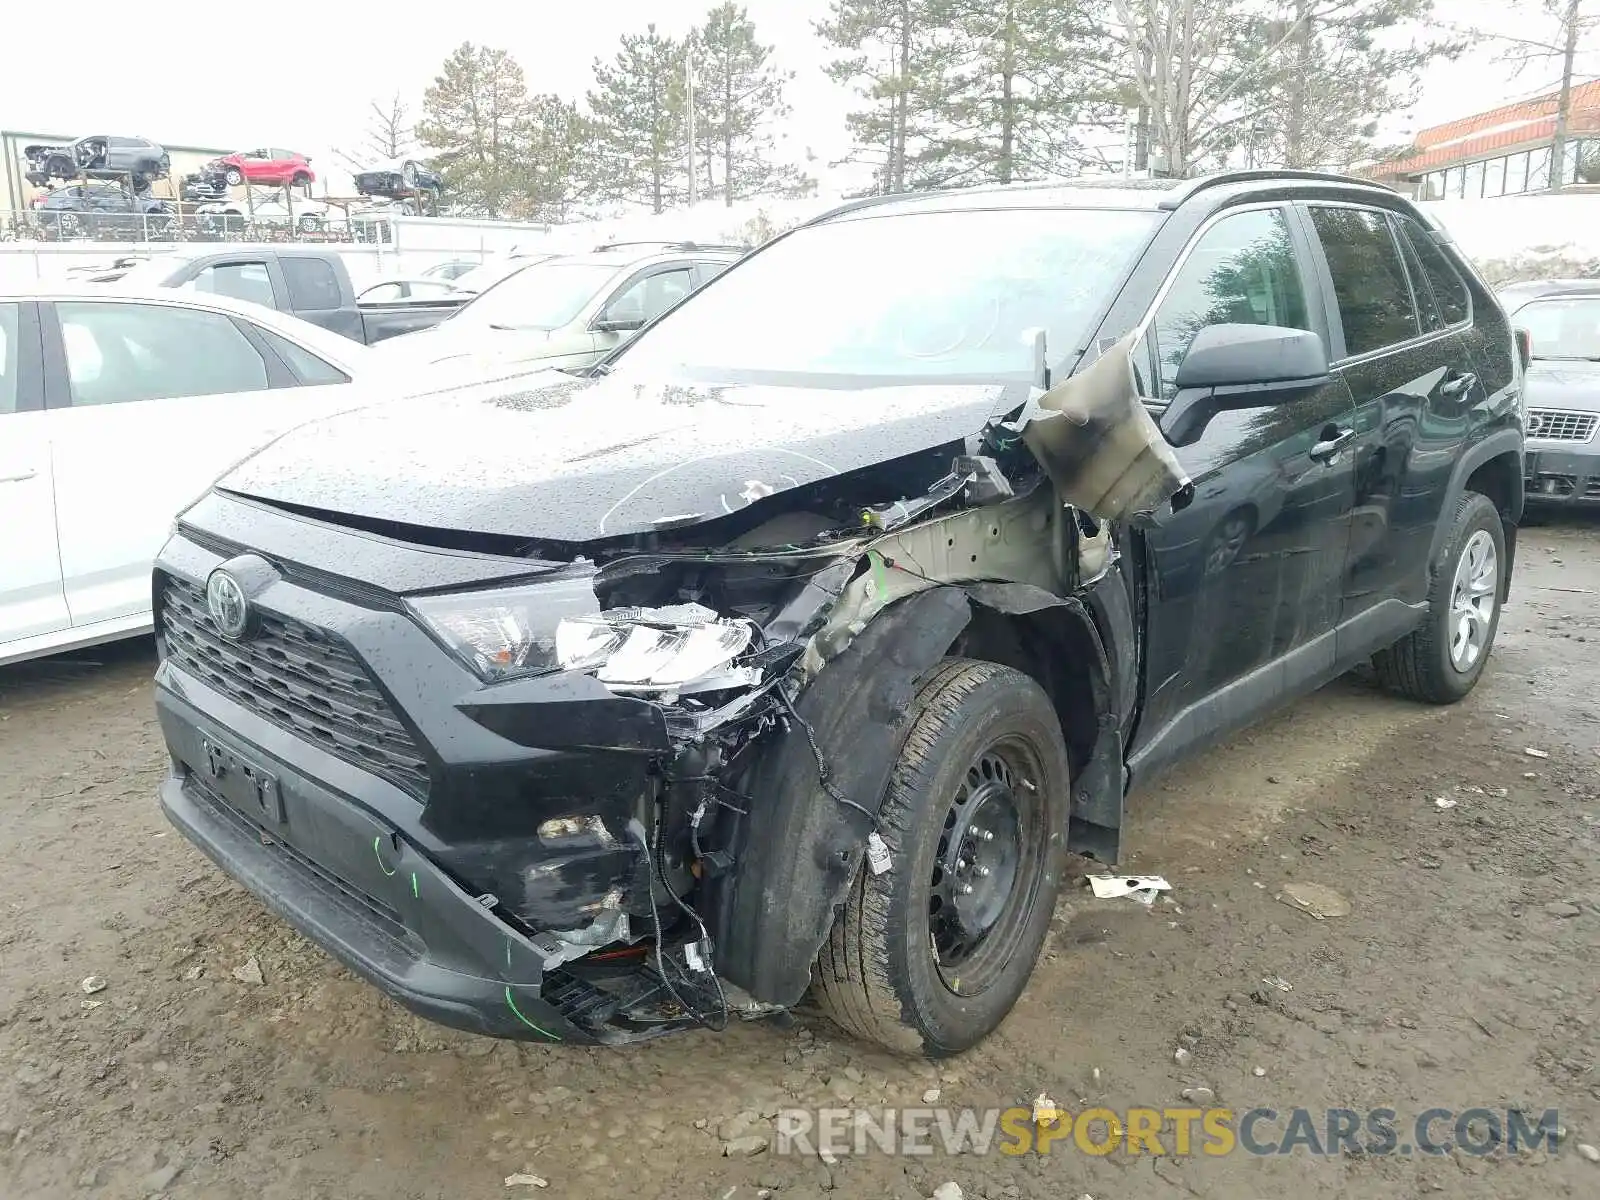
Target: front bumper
420, 865
346, 879
1564, 476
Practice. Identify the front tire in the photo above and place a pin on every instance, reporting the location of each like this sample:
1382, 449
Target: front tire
234, 176
1440, 661
929, 957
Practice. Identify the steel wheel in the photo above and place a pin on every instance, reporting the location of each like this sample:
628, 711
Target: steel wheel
1473, 597
984, 872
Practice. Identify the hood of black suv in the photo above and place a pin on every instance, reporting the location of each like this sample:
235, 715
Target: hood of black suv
552, 457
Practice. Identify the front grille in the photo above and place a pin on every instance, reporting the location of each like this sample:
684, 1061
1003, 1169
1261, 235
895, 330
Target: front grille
1558, 425
299, 678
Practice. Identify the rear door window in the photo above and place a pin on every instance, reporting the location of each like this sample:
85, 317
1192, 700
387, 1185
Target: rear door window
240, 280
307, 367
124, 353
1449, 289
1369, 278
312, 284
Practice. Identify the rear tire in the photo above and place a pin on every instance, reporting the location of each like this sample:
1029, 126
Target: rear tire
1441, 660
929, 957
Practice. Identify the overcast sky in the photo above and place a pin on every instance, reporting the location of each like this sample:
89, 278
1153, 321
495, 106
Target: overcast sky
231, 76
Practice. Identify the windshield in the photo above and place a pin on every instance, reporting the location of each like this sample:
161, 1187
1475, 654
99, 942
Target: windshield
546, 295
1564, 327
909, 296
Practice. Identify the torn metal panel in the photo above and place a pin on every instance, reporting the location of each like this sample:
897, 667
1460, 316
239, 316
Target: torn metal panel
1097, 443
1024, 540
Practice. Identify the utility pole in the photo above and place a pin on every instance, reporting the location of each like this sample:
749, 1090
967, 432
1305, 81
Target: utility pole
688, 87
1558, 145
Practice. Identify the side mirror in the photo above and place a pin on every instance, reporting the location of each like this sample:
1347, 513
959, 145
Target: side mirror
1241, 366
605, 324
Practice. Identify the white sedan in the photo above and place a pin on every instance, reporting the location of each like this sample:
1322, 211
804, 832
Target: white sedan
117, 408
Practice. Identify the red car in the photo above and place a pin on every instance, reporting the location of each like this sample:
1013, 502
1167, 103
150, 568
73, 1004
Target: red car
273, 167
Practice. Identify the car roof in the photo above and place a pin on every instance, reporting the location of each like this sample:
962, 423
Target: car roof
1104, 192
630, 255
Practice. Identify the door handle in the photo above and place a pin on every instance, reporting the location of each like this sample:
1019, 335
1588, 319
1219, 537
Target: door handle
1458, 386
19, 477
1328, 450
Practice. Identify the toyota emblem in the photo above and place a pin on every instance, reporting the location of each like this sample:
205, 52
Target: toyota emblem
229, 609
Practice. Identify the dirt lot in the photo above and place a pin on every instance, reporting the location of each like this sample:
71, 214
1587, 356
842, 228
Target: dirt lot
1465, 975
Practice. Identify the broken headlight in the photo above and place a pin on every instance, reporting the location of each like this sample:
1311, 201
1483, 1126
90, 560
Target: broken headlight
652, 649
503, 632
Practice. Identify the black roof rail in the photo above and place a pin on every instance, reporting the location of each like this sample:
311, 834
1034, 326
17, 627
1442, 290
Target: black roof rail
1183, 189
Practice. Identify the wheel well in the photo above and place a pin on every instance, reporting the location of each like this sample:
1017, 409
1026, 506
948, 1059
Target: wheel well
1054, 648
1498, 479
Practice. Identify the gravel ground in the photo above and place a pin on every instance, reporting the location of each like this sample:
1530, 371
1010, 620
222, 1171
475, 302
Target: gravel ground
225, 1057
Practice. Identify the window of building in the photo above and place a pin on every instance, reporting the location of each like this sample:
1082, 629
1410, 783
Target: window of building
1517, 174
1472, 184
1539, 169
1588, 160
1452, 183
1494, 177
1432, 186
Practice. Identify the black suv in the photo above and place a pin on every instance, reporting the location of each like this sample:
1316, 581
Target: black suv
794, 645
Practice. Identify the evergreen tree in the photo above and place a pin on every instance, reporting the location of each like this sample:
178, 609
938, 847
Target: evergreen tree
895, 53
477, 116
639, 121
1024, 78
738, 98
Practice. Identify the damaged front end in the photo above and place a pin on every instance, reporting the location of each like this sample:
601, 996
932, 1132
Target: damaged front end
745, 680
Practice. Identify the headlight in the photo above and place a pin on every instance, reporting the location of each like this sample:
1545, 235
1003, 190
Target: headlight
651, 649
506, 631
557, 626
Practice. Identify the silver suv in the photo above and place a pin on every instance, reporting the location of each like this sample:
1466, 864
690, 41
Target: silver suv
568, 311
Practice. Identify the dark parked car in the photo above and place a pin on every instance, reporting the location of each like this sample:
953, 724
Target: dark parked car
206, 186
310, 283
107, 211
792, 646
98, 156
399, 180
1561, 319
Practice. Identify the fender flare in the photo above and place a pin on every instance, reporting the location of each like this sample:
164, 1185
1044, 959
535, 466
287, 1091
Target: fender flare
1503, 441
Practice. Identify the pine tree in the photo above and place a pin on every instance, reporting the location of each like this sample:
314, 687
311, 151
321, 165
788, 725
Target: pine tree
555, 177
637, 107
895, 54
738, 98
1024, 79
477, 116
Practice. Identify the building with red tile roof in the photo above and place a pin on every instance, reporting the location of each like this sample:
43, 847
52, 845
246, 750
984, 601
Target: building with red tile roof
1502, 152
